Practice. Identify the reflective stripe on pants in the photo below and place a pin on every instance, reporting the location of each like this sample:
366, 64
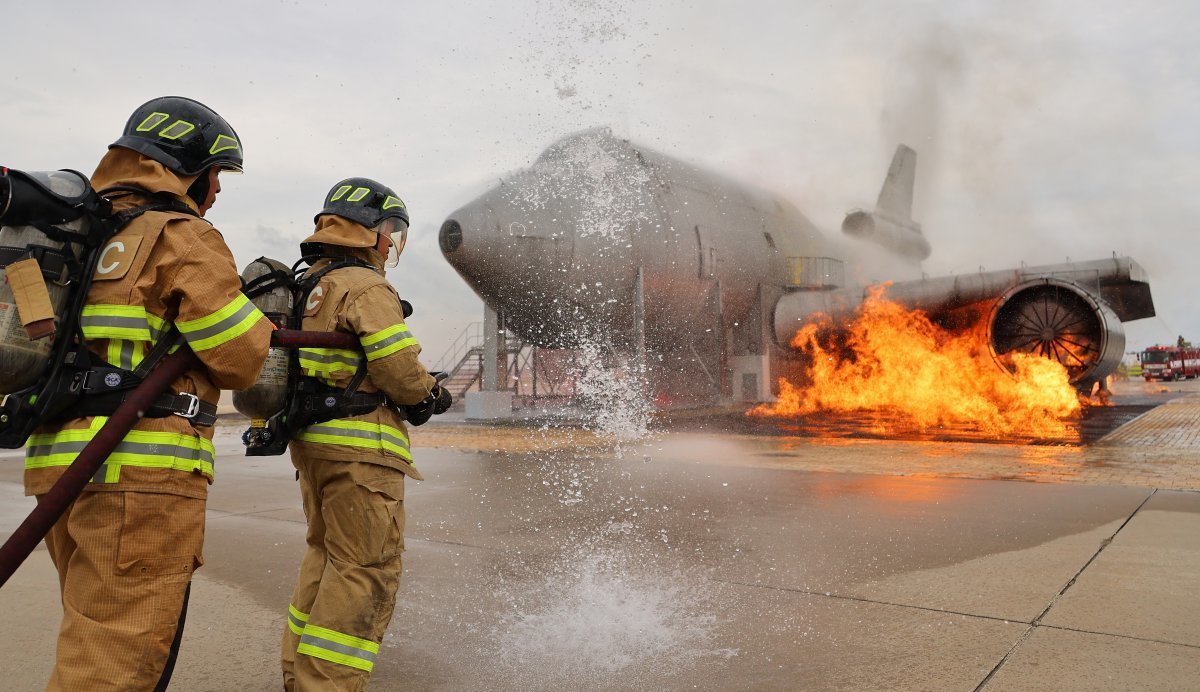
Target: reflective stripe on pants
338, 647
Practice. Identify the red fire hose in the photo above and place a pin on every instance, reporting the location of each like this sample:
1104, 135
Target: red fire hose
52, 505
294, 338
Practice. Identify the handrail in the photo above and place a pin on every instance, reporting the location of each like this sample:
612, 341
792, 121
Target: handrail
461, 344
477, 352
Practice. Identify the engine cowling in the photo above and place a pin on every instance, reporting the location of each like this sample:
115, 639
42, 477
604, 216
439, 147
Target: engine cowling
1060, 320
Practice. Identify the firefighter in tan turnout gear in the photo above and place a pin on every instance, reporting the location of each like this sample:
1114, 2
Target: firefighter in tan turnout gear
126, 549
351, 469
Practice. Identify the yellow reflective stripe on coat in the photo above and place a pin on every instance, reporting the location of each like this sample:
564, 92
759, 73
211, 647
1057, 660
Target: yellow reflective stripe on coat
326, 361
142, 448
132, 322
296, 620
358, 433
388, 341
330, 645
226, 324
126, 354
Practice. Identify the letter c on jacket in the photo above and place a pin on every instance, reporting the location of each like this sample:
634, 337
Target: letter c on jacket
101, 268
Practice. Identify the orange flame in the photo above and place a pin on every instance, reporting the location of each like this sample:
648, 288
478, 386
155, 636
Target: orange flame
897, 362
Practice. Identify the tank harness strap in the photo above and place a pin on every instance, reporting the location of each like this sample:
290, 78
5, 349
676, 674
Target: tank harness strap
165, 345
56, 264
105, 387
184, 405
313, 401
162, 200
314, 406
123, 217
267, 283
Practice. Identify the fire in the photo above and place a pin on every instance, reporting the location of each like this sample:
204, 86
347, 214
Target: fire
898, 363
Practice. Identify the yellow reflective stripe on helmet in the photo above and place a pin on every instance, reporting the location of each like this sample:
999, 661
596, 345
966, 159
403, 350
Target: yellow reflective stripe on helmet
388, 341
336, 647
152, 121
358, 194
131, 322
176, 129
360, 434
392, 203
341, 191
223, 143
226, 324
142, 448
296, 620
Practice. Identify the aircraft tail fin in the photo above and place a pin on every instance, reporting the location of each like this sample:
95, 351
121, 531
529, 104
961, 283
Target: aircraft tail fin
891, 225
896, 195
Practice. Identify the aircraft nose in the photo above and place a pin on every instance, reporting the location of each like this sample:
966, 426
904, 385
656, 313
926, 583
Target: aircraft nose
451, 236
469, 233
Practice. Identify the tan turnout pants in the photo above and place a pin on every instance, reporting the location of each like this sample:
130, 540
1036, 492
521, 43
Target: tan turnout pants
125, 560
349, 575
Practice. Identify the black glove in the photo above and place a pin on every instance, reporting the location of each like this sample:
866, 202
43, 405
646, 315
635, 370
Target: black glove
441, 399
438, 402
418, 414
406, 308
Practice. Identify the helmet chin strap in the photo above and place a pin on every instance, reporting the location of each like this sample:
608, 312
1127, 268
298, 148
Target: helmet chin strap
198, 191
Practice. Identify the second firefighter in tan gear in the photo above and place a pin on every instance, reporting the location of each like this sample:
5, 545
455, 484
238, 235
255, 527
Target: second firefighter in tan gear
351, 470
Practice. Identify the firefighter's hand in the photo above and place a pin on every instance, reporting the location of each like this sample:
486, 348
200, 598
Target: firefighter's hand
441, 399
418, 414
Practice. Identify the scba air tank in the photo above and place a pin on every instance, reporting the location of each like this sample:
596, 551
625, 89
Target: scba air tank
37, 272
23, 359
268, 395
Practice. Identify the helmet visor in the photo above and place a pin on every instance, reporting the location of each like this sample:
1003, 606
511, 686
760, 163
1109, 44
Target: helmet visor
396, 231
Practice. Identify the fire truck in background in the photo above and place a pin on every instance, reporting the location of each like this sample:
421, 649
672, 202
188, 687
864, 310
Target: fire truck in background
1170, 363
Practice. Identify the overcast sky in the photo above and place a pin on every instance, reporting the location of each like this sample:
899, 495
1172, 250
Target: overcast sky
1044, 130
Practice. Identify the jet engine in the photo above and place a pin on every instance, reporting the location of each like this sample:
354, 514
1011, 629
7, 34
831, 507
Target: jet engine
1069, 312
1057, 319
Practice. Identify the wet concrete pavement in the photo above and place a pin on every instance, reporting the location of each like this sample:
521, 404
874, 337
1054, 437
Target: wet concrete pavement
699, 561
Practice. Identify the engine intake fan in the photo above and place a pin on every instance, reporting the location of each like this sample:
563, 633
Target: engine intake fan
1060, 320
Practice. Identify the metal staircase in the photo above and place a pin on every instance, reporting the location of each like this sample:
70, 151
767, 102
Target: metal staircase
463, 360
464, 375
